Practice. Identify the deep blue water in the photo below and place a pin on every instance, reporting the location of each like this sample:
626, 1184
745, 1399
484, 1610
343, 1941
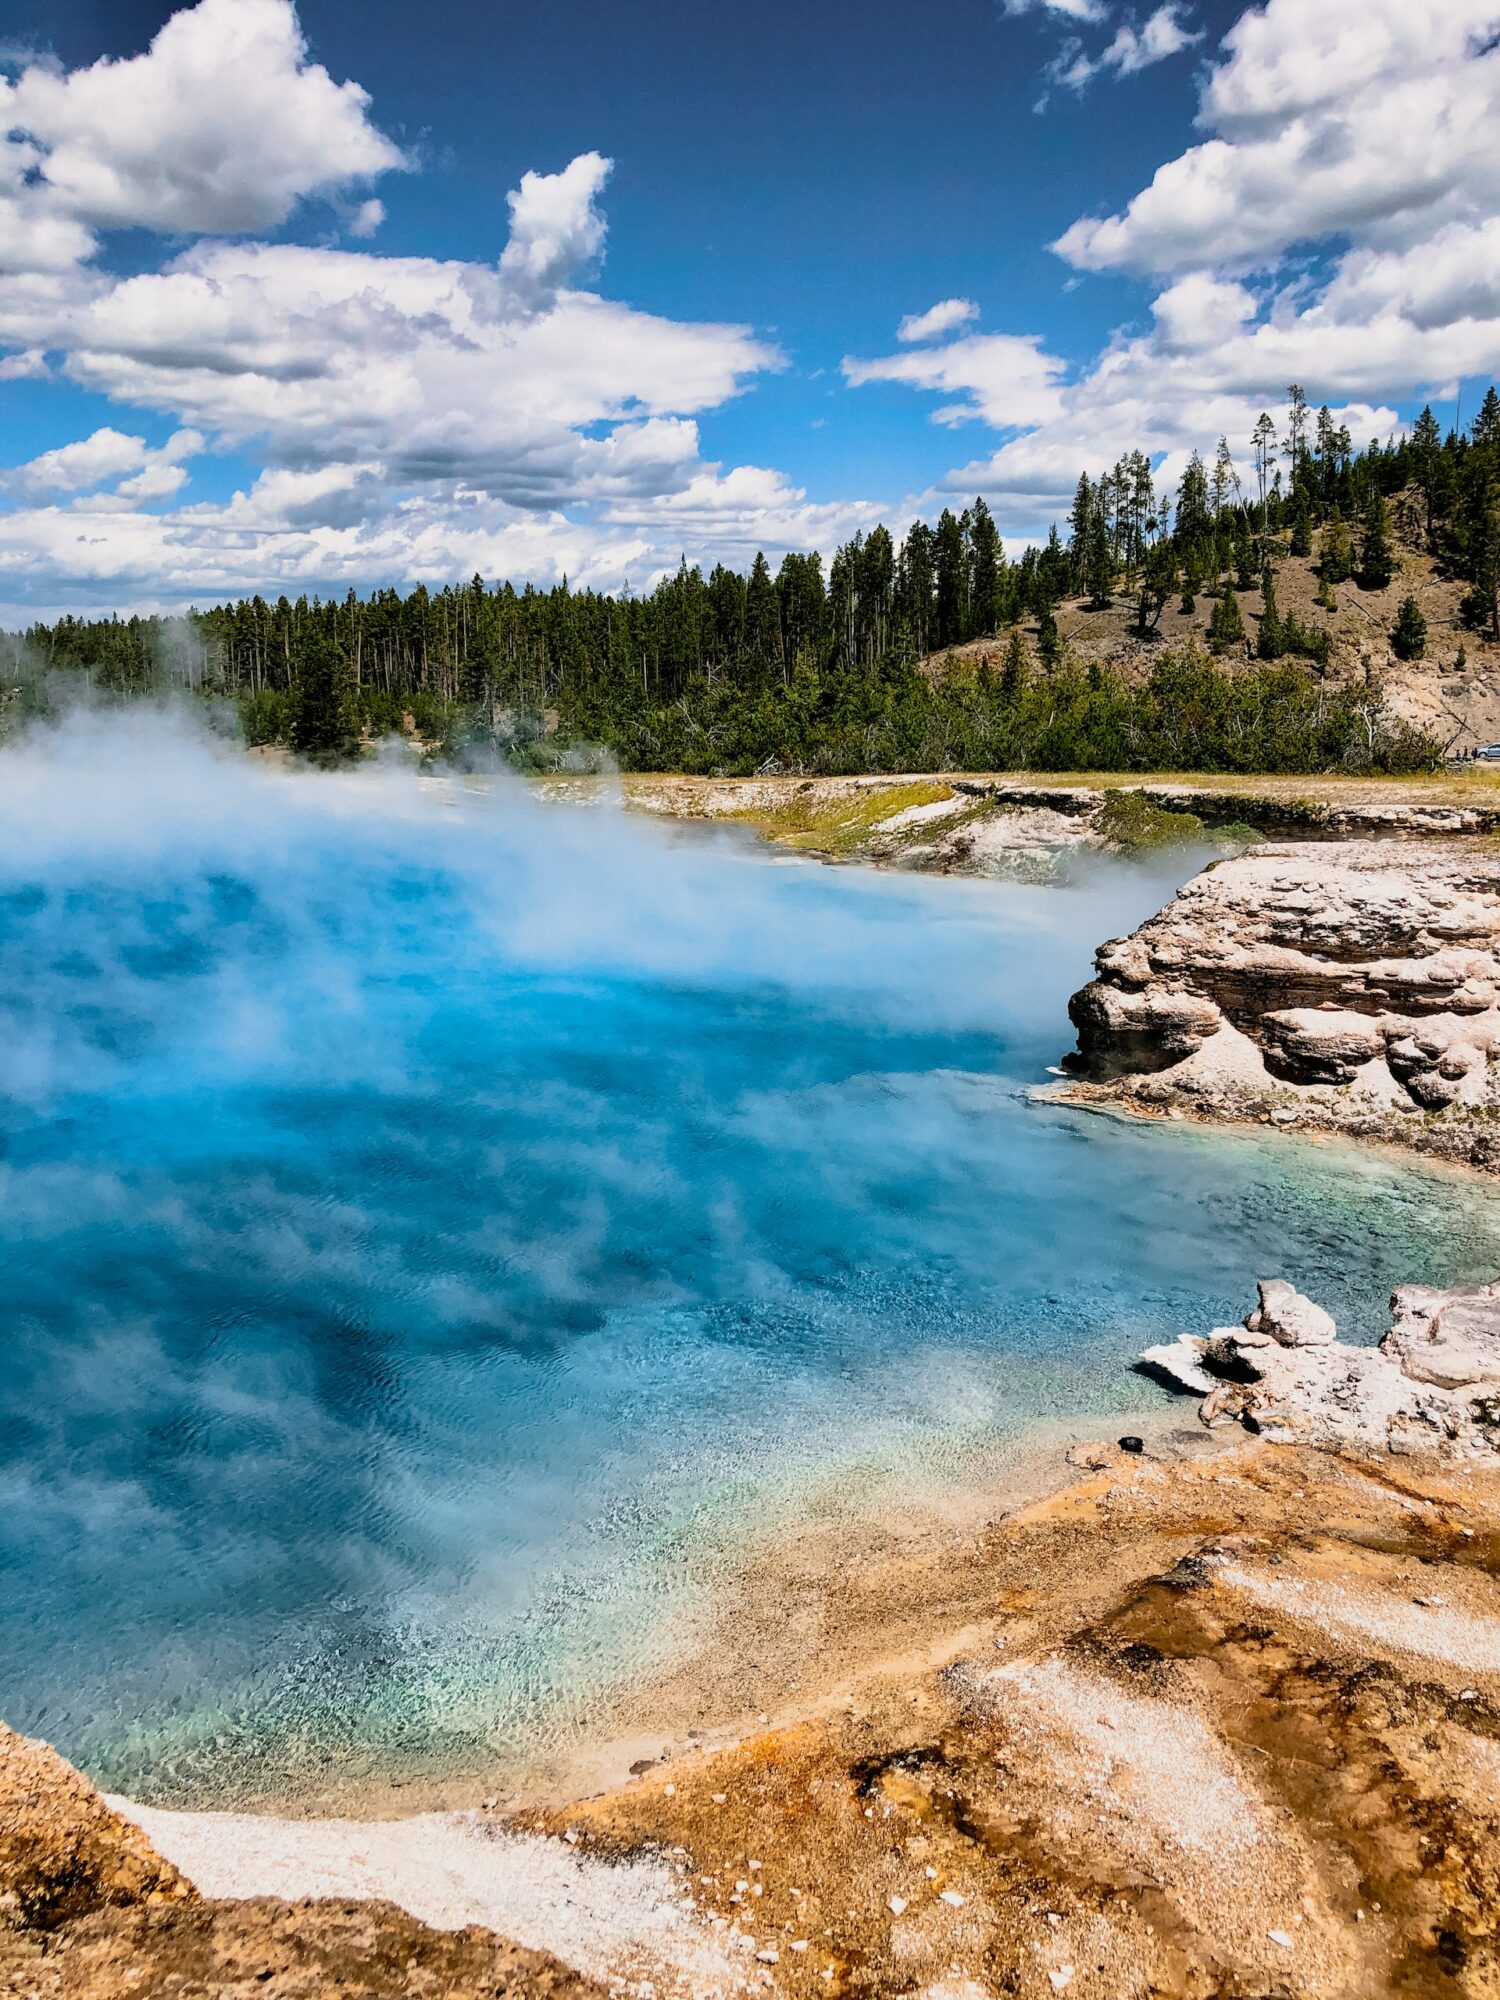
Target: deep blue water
436, 1228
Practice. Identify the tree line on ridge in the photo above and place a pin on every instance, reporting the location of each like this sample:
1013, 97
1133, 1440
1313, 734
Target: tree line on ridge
798, 670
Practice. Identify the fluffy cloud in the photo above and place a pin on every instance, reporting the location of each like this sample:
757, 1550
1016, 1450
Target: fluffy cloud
1377, 119
436, 369
417, 418
106, 455
1376, 122
943, 318
420, 418
335, 527
1003, 379
1216, 354
556, 231
72, 467
145, 142
1164, 34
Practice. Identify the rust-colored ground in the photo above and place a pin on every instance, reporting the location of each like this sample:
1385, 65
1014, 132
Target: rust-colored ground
1201, 1724
1228, 1727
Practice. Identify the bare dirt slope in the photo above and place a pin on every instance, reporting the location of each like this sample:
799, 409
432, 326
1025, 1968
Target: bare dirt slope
1454, 691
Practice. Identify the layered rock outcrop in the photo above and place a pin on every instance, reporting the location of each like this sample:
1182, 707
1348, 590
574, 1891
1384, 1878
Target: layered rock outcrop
1353, 987
1432, 1385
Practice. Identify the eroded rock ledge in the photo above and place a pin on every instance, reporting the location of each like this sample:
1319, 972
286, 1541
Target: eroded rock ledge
1351, 987
1432, 1385
89, 1910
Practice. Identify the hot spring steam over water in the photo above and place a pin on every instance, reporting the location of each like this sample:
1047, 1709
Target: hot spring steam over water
439, 1229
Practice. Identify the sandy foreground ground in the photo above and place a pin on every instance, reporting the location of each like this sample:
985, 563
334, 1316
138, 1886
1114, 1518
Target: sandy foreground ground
1221, 1722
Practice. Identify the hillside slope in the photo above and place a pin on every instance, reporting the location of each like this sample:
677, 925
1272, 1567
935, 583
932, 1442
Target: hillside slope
1454, 691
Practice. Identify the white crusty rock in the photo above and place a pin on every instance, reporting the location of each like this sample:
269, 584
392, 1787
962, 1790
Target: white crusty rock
1289, 1318
1449, 1338
1351, 986
1433, 1384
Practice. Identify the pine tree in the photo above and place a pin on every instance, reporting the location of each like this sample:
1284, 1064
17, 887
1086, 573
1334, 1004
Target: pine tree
986, 559
1226, 625
1053, 571
1427, 454
1098, 561
1194, 516
1271, 643
1409, 633
1244, 553
1336, 561
1298, 417
324, 724
1080, 521
1302, 524
1015, 670
1048, 639
1377, 561
949, 564
1158, 580
1483, 604
763, 623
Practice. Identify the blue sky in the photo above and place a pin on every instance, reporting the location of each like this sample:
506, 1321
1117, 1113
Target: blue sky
672, 356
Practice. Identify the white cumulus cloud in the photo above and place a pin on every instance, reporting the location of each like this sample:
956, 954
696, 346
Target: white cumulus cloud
943, 318
1372, 119
223, 125
1003, 379
556, 230
105, 455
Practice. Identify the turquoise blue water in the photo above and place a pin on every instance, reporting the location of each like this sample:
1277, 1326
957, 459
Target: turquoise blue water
436, 1228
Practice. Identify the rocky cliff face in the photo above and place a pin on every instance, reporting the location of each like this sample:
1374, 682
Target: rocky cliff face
1353, 987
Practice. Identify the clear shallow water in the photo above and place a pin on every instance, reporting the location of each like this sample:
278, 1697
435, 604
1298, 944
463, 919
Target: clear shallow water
436, 1230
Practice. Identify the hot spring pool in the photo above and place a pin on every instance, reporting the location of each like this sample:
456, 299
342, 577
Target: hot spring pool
436, 1228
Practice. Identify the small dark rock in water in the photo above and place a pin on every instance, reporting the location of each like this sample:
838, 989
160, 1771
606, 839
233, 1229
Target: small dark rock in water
1132, 1444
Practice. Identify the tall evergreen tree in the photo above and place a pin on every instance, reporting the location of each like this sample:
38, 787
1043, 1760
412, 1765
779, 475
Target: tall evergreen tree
1015, 669
1226, 625
1158, 580
1098, 558
986, 558
1486, 431
1426, 452
1483, 602
1049, 643
1336, 558
948, 558
763, 623
1377, 560
1271, 642
324, 724
1409, 633
1080, 523
1195, 520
